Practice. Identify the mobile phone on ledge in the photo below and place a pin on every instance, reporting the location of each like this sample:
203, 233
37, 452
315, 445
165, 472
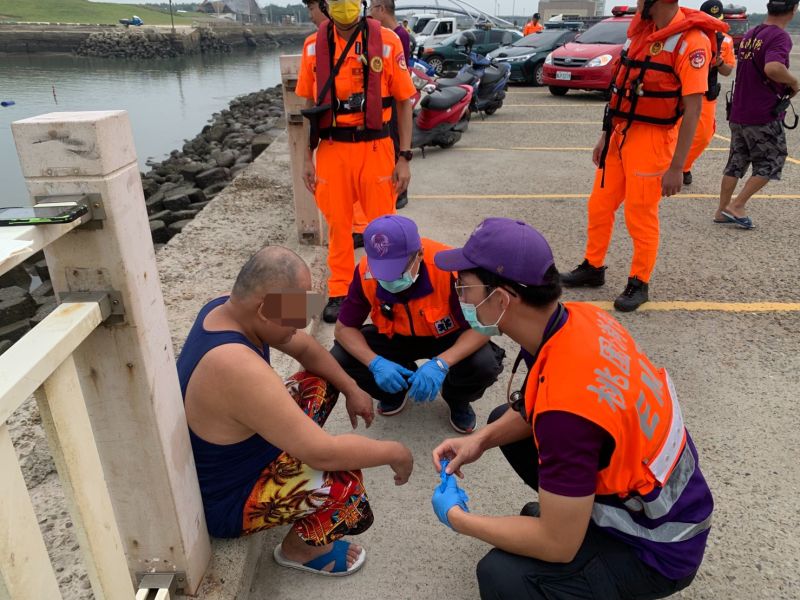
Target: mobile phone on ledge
43, 214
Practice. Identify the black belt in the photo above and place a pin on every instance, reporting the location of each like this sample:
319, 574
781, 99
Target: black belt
353, 134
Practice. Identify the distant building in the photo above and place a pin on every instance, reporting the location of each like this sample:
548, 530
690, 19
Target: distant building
577, 8
241, 11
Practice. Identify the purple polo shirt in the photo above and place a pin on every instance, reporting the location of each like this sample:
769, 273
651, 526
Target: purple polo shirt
572, 450
753, 96
405, 40
356, 306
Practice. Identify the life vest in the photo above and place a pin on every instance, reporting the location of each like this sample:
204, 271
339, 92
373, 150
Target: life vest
645, 86
373, 103
428, 316
592, 367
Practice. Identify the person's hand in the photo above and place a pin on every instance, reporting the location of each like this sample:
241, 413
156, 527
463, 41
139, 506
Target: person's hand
309, 175
447, 496
671, 181
359, 404
389, 376
403, 466
794, 88
427, 381
401, 176
458, 451
598, 149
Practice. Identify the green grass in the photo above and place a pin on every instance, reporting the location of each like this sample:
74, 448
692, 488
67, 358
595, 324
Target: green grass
83, 11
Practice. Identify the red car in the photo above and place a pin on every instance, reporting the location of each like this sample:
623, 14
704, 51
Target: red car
736, 18
588, 62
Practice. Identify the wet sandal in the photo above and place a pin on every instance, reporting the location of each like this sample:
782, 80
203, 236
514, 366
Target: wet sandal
337, 556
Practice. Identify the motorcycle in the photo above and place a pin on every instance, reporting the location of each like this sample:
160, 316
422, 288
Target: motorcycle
488, 79
440, 115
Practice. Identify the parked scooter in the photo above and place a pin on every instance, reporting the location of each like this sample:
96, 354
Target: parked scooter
488, 79
440, 115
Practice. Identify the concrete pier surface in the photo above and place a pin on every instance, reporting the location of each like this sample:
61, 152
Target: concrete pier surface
733, 358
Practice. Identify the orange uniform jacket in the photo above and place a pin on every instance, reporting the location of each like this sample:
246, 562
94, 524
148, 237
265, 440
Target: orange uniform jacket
531, 27
426, 316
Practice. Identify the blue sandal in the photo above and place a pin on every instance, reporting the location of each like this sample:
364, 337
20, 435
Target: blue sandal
337, 555
742, 222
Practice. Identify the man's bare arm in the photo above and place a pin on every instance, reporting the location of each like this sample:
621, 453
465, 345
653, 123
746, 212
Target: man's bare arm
309, 353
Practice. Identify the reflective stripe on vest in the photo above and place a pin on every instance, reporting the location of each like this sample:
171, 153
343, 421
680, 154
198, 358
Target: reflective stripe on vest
620, 519
666, 499
662, 463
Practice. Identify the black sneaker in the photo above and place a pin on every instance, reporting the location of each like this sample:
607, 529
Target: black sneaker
687, 178
388, 409
331, 311
531, 509
584, 275
633, 297
358, 240
462, 418
402, 201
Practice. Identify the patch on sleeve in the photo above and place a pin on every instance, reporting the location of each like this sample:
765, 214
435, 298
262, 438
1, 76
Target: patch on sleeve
311, 50
444, 325
697, 58
401, 62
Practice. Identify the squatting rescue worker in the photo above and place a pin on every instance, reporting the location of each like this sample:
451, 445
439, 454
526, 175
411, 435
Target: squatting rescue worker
263, 458
415, 314
532, 26
623, 511
722, 64
350, 70
662, 75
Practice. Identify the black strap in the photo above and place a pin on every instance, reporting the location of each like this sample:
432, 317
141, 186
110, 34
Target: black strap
341, 109
646, 64
354, 134
335, 68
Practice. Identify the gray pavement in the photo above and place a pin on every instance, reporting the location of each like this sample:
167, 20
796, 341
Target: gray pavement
735, 368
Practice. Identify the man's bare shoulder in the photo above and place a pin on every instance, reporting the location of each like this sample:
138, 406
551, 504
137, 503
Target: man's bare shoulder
235, 360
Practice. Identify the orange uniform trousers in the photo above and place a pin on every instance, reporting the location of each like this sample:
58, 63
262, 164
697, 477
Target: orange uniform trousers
632, 175
350, 173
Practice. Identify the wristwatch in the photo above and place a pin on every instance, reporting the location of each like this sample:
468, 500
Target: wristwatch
407, 154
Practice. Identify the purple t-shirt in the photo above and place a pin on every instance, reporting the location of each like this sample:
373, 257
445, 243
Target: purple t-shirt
753, 97
405, 40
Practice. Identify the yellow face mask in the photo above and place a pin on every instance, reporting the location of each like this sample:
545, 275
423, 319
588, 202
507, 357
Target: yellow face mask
344, 12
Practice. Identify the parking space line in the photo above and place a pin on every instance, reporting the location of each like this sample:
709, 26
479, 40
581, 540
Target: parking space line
547, 149
580, 196
493, 122
705, 306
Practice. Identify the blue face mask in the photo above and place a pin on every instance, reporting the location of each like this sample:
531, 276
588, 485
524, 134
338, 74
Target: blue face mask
399, 285
471, 315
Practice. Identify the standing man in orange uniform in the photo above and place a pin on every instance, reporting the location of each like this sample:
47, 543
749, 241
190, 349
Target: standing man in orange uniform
648, 129
723, 64
350, 71
532, 26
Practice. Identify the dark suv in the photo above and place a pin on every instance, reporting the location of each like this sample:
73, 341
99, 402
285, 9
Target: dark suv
446, 56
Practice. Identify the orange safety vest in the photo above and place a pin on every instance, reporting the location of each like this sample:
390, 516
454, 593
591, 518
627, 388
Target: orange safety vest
592, 367
429, 316
372, 103
645, 86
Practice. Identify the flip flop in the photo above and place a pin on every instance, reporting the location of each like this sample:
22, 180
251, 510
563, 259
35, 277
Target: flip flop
337, 555
722, 221
742, 222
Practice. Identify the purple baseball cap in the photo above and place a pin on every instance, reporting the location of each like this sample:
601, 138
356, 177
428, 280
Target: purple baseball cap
511, 249
390, 241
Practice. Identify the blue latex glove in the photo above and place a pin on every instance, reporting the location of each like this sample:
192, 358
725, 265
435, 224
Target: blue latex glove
427, 381
389, 376
447, 495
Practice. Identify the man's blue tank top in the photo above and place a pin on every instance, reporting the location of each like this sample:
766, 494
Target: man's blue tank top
227, 473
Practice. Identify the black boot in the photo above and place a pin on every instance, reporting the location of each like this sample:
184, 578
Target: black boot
687, 178
331, 310
358, 240
633, 297
402, 201
584, 275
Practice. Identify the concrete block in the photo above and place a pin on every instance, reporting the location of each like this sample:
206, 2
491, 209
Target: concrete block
18, 276
15, 307
14, 331
177, 226
159, 233
5, 345
43, 293
65, 144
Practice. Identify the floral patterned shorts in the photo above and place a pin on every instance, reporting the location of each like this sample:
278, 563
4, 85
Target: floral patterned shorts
322, 506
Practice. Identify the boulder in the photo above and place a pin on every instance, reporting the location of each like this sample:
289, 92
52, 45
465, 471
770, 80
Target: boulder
15, 305
15, 330
215, 175
183, 215
198, 206
42, 312
177, 201
178, 226
159, 233
190, 171
41, 270
164, 215
155, 203
149, 187
43, 293
215, 188
226, 158
260, 143
18, 276
5, 345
